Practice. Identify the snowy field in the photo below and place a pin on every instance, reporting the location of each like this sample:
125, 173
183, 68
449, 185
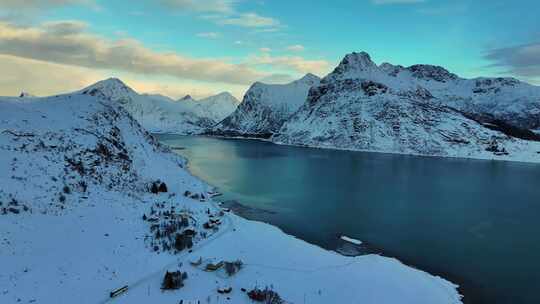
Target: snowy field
77, 175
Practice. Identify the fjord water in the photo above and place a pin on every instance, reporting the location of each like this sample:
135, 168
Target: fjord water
473, 222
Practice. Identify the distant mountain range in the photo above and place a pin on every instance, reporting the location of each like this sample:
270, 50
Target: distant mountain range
161, 114
421, 109
362, 106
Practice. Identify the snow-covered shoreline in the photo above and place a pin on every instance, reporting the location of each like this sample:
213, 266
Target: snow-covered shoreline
491, 157
77, 194
469, 157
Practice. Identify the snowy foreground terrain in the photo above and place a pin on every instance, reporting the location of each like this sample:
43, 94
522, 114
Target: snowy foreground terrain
90, 202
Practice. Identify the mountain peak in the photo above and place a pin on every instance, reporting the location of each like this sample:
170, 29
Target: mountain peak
112, 81
360, 61
187, 97
111, 88
229, 97
310, 78
353, 65
109, 83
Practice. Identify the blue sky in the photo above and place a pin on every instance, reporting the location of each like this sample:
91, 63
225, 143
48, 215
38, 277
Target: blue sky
246, 41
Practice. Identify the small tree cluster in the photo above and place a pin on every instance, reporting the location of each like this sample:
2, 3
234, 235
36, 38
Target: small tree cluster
266, 296
83, 186
233, 267
169, 229
182, 241
14, 206
173, 280
158, 187
66, 189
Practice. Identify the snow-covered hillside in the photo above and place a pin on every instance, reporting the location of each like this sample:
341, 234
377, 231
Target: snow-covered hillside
362, 106
90, 202
161, 114
266, 107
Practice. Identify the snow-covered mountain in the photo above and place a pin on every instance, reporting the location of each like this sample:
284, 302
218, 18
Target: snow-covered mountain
73, 144
161, 114
215, 108
90, 202
507, 99
266, 107
362, 106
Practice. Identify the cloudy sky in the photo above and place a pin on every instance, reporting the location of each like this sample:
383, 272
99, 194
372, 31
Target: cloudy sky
203, 47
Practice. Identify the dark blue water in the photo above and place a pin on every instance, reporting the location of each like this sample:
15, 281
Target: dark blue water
477, 223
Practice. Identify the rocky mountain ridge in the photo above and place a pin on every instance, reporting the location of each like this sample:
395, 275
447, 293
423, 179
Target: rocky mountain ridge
362, 106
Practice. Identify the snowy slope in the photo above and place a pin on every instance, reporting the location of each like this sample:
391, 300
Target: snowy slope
161, 114
266, 107
361, 106
75, 172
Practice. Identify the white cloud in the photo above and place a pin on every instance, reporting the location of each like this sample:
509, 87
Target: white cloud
521, 60
383, 2
25, 11
295, 63
67, 42
42, 78
212, 6
223, 12
249, 20
278, 79
209, 35
40, 4
296, 48
65, 27
265, 50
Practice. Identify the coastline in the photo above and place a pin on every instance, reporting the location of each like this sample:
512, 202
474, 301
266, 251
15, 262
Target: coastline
473, 157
